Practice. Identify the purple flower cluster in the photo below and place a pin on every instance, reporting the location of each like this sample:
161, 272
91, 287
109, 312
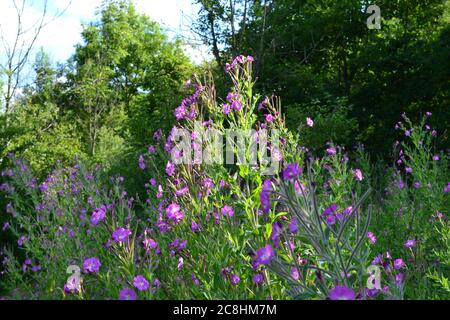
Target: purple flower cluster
292, 171
170, 168
341, 293
447, 188
141, 283
264, 196
264, 255
174, 213
187, 109
98, 215
141, 162
177, 246
357, 173
72, 286
371, 237
150, 244
329, 214
121, 234
127, 294
227, 211
237, 61
91, 265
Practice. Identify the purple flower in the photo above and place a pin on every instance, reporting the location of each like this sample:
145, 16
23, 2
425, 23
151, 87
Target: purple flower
293, 225
98, 215
264, 255
294, 273
269, 118
331, 220
258, 279
150, 244
377, 260
151, 149
231, 96
36, 268
180, 263
141, 162
341, 293
170, 168
331, 150
177, 245
235, 279
157, 284
309, 122
43, 187
127, 294
275, 235
21, 240
180, 112
292, 171
263, 103
159, 193
399, 277
436, 157
182, 191
121, 234
264, 198
236, 105
428, 114
227, 211
417, 185
398, 264
409, 170
358, 175
226, 108
174, 213
195, 280
195, 227
208, 183
91, 265
347, 211
371, 237
408, 133
141, 283
328, 211
72, 285
299, 187
447, 188
372, 293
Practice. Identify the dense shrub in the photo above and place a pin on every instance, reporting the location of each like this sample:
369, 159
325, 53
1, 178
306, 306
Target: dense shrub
208, 230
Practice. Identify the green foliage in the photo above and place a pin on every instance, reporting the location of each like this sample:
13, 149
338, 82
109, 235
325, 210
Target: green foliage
126, 65
103, 106
304, 49
331, 118
416, 208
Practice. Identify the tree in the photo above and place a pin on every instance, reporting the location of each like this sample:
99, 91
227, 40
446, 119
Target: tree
16, 60
38, 130
18, 51
124, 79
308, 51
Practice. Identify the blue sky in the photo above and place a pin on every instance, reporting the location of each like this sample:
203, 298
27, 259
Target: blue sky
61, 34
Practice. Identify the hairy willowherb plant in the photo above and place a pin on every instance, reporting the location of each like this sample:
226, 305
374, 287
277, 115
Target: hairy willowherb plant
333, 239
